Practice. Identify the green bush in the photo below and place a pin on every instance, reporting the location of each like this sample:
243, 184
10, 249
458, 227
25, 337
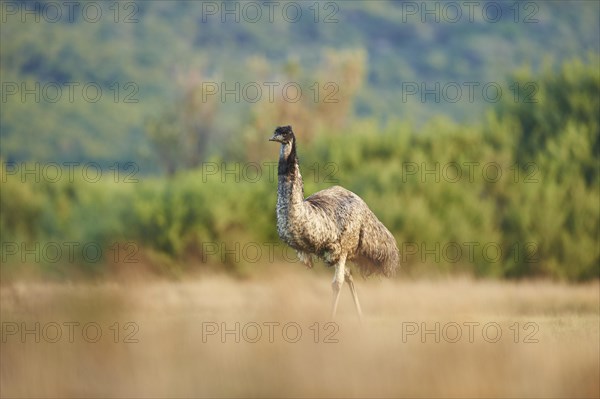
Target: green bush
540, 217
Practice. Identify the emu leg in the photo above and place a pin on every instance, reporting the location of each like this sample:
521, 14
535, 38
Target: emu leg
350, 281
336, 284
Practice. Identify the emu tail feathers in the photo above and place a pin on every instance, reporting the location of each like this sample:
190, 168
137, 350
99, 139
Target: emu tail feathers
377, 250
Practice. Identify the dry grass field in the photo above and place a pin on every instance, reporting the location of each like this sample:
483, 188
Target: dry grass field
270, 336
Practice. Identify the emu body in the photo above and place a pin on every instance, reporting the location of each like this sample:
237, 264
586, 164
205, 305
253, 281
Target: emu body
334, 224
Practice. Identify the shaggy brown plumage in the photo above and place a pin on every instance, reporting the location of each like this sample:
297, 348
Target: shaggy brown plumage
333, 224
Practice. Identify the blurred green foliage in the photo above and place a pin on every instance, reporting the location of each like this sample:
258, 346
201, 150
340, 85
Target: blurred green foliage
518, 177
525, 180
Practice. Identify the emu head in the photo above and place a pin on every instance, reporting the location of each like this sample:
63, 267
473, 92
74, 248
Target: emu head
283, 135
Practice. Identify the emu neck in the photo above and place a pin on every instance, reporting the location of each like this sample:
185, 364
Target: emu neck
290, 190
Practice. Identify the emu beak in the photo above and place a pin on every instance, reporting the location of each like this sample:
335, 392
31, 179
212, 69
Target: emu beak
274, 138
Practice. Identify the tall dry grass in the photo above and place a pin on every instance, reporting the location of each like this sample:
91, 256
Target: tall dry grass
174, 355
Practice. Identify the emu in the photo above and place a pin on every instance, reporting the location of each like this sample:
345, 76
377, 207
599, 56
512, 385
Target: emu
334, 225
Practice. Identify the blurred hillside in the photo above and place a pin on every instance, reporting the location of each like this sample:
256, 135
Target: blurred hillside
145, 56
